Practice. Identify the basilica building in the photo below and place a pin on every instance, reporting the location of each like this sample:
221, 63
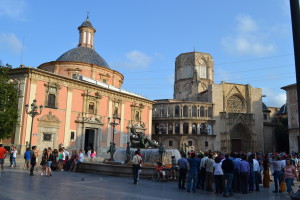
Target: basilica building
207, 116
84, 103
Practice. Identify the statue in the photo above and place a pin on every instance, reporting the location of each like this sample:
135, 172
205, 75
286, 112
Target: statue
111, 150
140, 140
161, 151
128, 152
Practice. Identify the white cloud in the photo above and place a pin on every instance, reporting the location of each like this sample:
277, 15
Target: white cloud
135, 59
9, 41
273, 99
248, 39
13, 8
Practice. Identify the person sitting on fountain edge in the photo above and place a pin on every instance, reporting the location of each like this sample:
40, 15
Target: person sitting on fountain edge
159, 167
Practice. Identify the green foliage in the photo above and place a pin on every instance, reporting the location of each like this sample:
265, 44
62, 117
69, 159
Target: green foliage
282, 136
9, 96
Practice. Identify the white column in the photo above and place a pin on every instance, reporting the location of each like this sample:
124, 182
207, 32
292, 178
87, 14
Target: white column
150, 123
89, 38
68, 117
32, 96
122, 125
109, 128
84, 37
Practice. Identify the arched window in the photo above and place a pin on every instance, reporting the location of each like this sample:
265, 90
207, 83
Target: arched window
235, 104
194, 128
185, 128
91, 108
209, 129
194, 111
185, 111
116, 112
177, 129
156, 128
163, 129
202, 111
177, 111
210, 112
170, 128
170, 111
203, 129
162, 110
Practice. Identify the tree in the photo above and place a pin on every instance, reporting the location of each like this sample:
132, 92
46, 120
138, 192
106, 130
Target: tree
9, 96
282, 136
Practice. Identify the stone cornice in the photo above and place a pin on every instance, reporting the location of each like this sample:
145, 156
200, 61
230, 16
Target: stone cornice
46, 76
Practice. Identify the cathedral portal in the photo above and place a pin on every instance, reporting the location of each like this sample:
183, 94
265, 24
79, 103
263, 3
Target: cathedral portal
240, 137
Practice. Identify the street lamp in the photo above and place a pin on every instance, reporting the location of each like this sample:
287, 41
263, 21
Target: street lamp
114, 123
33, 112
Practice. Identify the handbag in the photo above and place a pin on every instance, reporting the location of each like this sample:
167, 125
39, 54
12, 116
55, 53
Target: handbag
282, 186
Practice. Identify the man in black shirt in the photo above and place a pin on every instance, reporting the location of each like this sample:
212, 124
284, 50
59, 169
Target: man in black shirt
32, 160
228, 167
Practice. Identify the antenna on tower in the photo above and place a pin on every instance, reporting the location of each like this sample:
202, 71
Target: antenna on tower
87, 14
22, 51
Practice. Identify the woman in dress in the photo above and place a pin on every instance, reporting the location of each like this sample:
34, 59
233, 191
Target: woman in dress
49, 162
43, 162
289, 175
266, 166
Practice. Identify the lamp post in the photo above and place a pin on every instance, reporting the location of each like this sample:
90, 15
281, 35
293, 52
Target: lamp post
112, 148
33, 113
114, 123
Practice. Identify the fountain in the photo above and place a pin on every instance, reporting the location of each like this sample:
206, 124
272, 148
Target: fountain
120, 164
150, 156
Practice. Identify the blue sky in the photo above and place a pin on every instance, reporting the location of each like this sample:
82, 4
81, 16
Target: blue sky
250, 40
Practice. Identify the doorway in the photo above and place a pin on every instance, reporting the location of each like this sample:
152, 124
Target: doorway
236, 145
89, 139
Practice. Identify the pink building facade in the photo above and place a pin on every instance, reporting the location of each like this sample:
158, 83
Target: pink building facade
79, 92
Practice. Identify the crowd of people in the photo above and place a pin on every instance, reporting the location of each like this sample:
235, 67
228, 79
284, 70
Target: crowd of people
237, 172
56, 159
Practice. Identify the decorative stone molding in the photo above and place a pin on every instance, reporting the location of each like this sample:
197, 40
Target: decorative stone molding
52, 88
89, 120
49, 118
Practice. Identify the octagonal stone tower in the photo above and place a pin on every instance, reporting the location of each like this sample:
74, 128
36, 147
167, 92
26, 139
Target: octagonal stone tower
194, 72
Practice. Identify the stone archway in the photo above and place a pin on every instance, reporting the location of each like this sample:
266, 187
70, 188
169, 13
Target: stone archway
240, 138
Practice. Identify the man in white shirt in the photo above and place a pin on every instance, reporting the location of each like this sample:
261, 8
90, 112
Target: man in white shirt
79, 160
136, 160
14, 156
257, 174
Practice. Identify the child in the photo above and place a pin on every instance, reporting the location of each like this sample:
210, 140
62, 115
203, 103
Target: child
159, 167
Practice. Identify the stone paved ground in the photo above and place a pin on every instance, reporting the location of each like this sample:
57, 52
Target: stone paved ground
16, 184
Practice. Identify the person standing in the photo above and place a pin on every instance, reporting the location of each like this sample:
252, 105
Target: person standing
2, 156
244, 169
218, 175
49, 162
135, 166
256, 169
236, 186
228, 169
32, 160
27, 158
277, 167
266, 172
140, 168
173, 168
194, 164
203, 170
183, 167
14, 156
209, 172
36, 158
289, 175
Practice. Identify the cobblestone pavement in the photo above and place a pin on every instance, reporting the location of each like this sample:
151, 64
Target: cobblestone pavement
16, 184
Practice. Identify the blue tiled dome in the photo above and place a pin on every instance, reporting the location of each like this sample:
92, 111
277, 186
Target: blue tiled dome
84, 55
283, 110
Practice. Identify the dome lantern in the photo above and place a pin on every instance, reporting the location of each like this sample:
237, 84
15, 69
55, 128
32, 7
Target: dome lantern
86, 34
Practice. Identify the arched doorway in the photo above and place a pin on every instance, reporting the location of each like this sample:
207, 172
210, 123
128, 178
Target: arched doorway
240, 137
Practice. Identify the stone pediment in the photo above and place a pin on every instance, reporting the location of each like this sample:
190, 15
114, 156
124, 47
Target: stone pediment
244, 118
234, 91
49, 118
